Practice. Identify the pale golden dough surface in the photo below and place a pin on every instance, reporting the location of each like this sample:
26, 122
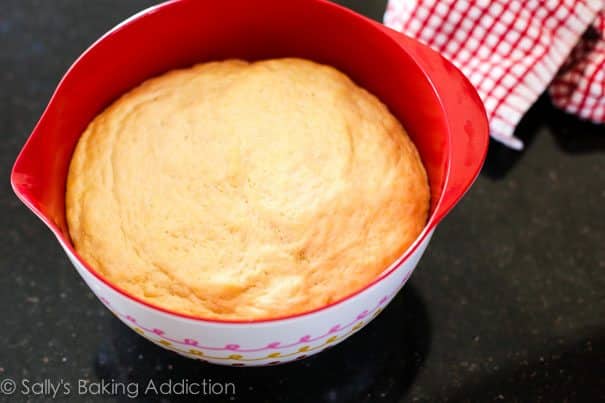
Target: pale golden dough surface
239, 191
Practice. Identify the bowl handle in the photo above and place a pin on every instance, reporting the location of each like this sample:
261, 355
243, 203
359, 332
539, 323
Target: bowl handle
465, 116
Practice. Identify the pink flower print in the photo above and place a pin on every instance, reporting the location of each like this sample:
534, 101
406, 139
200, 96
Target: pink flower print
363, 314
190, 342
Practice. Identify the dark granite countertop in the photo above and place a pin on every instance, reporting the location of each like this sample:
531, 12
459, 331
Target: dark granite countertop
508, 303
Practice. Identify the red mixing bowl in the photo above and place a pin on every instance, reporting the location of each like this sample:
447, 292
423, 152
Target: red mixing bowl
434, 101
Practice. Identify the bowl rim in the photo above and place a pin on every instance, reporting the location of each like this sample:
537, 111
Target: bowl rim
433, 219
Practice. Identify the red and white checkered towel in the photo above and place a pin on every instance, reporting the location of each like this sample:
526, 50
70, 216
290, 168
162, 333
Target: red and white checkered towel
513, 50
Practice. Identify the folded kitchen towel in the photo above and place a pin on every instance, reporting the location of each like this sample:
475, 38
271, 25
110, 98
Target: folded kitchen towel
514, 50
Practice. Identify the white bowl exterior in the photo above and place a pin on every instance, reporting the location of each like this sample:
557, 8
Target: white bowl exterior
252, 344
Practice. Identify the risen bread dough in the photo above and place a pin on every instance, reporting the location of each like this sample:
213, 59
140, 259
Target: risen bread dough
238, 190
